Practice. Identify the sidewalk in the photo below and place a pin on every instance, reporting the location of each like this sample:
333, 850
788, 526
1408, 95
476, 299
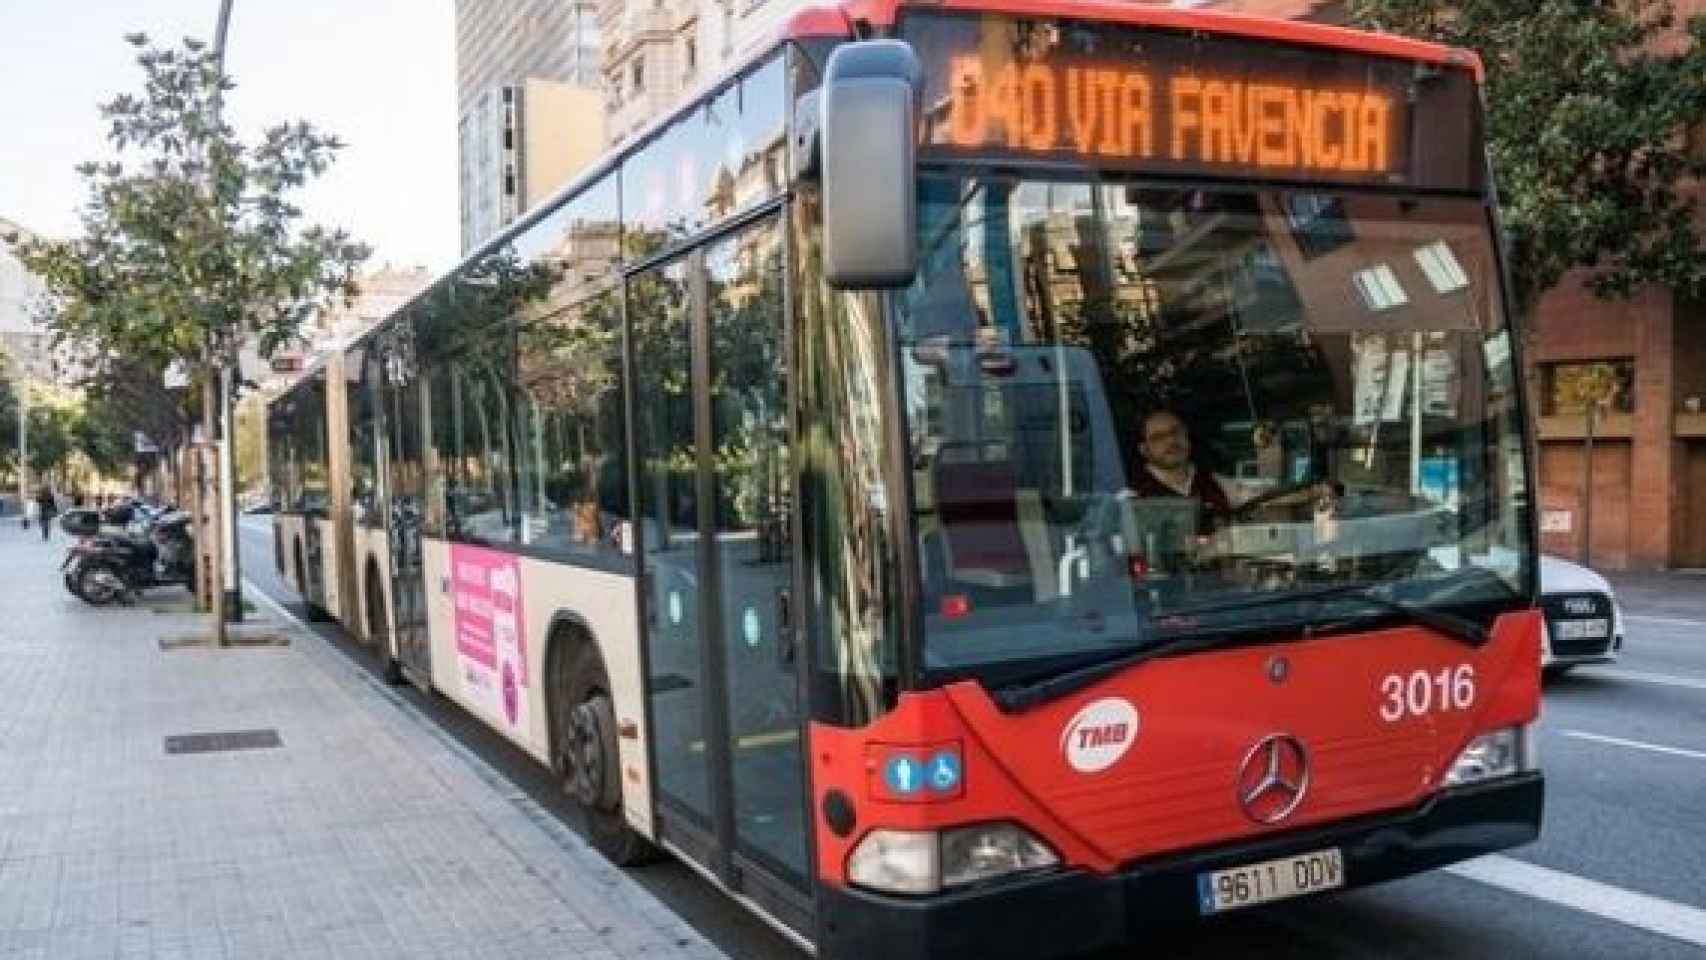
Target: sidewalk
366, 833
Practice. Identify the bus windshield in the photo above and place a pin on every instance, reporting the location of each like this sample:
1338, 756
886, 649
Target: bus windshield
1135, 411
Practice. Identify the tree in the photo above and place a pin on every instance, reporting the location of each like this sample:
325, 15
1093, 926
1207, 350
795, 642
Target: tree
50, 439
8, 418
1590, 107
192, 241
99, 432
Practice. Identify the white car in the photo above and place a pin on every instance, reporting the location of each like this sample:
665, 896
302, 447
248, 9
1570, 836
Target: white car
1584, 624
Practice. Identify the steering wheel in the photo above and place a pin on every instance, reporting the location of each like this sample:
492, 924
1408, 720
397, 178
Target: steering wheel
1268, 496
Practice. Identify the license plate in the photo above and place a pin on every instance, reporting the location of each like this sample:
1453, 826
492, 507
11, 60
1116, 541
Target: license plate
1270, 880
1583, 629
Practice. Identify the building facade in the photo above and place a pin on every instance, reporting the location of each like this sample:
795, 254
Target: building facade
657, 51
383, 292
23, 338
528, 105
1634, 496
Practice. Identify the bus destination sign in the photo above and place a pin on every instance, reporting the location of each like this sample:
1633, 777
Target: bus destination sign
1141, 114
1148, 100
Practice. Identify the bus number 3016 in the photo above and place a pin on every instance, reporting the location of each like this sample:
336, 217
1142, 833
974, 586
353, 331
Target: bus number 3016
1452, 688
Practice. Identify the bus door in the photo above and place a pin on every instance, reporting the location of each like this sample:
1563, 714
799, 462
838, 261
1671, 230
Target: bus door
724, 683
405, 412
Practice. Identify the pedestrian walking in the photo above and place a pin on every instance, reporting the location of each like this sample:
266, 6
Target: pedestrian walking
46, 507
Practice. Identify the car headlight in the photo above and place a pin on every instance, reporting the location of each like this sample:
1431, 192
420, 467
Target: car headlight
1488, 756
926, 861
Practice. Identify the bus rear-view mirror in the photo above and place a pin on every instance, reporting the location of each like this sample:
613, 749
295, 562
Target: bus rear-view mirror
868, 143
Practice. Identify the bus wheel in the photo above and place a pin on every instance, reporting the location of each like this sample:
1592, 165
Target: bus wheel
592, 774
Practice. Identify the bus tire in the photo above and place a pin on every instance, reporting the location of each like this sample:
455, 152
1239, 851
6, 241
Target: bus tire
585, 722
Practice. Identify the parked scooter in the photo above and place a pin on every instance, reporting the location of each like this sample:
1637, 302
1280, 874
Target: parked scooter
108, 567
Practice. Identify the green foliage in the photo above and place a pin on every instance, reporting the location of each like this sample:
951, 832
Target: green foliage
51, 439
191, 239
99, 432
1589, 107
132, 394
8, 418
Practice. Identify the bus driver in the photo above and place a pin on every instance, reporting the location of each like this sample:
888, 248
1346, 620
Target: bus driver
1168, 471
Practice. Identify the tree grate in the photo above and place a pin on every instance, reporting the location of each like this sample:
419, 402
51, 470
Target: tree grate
223, 741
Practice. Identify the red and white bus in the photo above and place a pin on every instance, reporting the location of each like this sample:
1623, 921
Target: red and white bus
978, 478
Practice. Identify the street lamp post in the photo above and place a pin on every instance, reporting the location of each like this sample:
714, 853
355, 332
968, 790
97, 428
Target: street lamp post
226, 358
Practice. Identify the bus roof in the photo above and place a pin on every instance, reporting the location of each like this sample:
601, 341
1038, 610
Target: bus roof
838, 20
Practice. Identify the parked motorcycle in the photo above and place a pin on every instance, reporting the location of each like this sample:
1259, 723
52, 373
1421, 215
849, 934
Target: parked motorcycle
108, 567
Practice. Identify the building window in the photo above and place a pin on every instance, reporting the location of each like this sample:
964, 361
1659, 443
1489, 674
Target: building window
1379, 288
690, 55
509, 180
639, 74
1570, 387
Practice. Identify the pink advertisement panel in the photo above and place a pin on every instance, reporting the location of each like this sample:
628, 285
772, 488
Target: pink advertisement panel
491, 639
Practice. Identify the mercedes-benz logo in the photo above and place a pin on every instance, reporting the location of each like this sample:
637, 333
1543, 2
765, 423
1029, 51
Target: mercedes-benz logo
1273, 778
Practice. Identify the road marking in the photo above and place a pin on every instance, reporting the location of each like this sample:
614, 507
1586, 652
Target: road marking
1670, 621
255, 591
1637, 676
1635, 744
1639, 910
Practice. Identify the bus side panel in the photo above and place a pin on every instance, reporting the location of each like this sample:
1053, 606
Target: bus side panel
605, 603
474, 684
330, 551
441, 617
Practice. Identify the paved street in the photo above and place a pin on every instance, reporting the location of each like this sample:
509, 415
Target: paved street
366, 832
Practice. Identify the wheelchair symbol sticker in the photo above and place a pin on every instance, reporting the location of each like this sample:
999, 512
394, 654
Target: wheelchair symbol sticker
945, 771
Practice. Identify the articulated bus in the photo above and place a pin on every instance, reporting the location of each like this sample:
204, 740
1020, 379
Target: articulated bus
980, 479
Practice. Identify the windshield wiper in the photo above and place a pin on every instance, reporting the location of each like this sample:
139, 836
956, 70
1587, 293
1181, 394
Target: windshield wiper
1446, 622
1018, 697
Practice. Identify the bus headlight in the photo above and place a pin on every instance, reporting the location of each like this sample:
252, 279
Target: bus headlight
925, 861
1490, 755
970, 854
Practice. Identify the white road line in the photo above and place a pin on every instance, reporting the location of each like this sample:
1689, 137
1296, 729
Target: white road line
1638, 676
1669, 621
1639, 910
252, 589
1635, 744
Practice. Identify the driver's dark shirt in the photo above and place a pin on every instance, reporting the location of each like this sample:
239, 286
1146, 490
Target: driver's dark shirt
1204, 487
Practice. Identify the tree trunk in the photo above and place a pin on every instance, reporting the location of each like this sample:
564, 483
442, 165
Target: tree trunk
210, 503
189, 472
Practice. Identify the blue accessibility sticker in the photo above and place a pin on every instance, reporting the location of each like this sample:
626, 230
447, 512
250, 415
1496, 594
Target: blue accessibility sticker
903, 774
944, 771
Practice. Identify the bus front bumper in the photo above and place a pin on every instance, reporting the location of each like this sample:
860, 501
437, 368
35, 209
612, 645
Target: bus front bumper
1072, 912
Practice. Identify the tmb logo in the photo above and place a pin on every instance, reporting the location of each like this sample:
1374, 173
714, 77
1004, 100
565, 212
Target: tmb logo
1098, 735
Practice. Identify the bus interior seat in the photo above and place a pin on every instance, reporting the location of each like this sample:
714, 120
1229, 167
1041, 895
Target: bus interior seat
993, 533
